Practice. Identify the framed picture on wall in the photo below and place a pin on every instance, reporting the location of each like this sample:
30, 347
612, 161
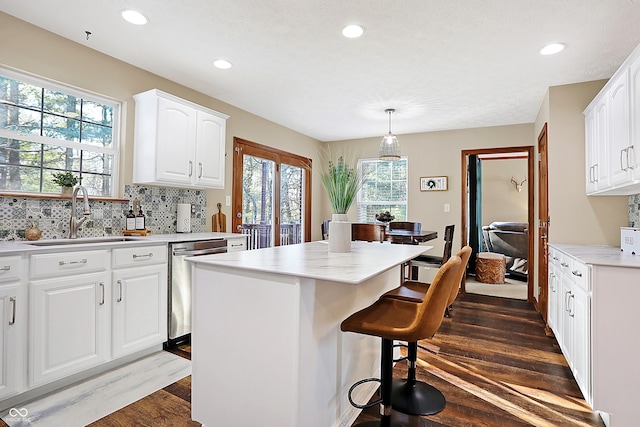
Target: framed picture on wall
433, 183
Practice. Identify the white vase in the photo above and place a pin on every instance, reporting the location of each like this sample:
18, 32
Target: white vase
339, 233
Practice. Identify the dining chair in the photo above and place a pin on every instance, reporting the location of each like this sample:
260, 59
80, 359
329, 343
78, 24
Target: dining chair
325, 229
433, 261
368, 232
405, 225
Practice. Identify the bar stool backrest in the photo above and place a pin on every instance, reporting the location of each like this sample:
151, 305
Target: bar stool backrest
431, 310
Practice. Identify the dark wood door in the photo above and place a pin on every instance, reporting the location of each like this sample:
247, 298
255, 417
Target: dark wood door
543, 222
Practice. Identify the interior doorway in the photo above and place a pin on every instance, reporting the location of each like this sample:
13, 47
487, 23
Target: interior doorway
478, 234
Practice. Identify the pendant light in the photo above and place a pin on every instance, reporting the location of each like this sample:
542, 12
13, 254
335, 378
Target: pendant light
389, 146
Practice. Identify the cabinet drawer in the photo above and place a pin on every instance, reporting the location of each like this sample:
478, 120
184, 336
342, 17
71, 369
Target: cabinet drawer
10, 268
580, 275
56, 264
234, 245
140, 255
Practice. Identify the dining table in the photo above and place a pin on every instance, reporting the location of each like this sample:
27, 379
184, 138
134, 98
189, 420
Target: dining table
410, 237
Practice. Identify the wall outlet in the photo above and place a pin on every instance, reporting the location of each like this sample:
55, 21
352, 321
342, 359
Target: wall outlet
447, 207
228, 201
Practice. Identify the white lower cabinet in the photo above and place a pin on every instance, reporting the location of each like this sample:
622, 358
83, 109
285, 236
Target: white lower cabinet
89, 307
12, 339
68, 320
570, 315
139, 299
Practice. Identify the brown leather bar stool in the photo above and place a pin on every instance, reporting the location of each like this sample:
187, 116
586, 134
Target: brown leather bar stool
395, 319
410, 396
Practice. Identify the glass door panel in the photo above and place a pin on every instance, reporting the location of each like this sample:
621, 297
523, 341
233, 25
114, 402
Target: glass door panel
258, 200
291, 204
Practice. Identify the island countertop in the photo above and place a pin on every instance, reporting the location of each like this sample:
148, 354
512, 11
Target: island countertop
314, 261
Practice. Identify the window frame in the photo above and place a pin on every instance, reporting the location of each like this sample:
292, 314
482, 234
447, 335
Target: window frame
360, 202
85, 95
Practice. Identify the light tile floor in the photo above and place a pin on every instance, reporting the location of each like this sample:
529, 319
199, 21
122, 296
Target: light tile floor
96, 397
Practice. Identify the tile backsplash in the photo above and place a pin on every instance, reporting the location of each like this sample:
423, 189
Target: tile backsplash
51, 216
634, 210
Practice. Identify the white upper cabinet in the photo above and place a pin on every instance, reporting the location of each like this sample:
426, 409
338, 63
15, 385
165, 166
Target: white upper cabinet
612, 133
178, 143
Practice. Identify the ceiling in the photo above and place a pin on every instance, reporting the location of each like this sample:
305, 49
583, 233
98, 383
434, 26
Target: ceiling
442, 65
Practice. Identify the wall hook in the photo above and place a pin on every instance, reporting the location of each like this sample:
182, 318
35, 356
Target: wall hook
88, 33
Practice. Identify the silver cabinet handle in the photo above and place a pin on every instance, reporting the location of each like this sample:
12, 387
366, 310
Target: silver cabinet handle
190, 168
200, 170
571, 311
564, 264
149, 255
5, 268
120, 291
13, 310
567, 295
102, 290
82, 261
630, 149
595, 173
577, 273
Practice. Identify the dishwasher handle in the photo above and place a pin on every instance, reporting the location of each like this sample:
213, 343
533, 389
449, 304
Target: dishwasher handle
184, 252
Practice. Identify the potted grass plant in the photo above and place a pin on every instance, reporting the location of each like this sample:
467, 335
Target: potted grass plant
342, 181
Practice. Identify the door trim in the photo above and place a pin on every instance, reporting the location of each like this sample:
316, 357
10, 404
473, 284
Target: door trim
279, 157
464, 238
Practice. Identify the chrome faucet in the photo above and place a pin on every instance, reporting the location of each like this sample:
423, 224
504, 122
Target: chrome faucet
74, 222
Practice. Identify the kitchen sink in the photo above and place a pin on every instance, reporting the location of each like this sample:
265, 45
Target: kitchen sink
67, 242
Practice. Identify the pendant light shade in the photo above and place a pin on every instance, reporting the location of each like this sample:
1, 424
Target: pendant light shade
389, 146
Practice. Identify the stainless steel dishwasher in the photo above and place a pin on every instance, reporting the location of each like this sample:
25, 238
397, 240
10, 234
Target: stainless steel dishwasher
180, 285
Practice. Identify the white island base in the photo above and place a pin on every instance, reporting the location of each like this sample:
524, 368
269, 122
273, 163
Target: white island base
266, 345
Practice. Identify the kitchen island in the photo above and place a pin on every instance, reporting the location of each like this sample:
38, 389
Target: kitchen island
266, 343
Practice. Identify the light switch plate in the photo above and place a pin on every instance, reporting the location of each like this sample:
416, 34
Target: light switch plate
447, 207
228, 201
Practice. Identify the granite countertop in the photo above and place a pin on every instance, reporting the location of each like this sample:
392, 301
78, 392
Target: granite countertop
313, 260
83, 243
599, 255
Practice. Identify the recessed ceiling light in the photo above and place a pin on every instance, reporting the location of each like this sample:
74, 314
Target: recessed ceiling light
134, 17
353, 31
223, 64
552, 48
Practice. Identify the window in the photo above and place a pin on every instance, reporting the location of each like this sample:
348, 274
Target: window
46, 128
384, 189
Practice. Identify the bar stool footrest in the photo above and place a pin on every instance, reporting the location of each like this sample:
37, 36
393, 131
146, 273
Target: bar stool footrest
417, 399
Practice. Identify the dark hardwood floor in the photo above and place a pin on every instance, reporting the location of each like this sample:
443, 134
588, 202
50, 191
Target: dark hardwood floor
491, 360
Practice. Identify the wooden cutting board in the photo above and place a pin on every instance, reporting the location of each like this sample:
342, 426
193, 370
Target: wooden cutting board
219, 220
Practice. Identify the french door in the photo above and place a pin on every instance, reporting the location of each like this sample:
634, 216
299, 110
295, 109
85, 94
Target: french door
271, 195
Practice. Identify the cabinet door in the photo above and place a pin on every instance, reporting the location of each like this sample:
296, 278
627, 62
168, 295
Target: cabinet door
12, 339
68, 326
601, 167
175, 142
566, 337
554, 293
139, 308
581, 315
619, 129
591, 150
634, 109
209, 155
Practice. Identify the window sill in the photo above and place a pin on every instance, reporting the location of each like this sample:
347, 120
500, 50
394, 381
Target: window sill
58, 196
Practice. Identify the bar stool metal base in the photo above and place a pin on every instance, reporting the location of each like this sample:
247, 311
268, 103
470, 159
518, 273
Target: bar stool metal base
381, 423
418, 398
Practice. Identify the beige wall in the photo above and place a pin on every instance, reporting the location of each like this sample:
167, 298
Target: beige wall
501, 201
437, 154
48, 55
576, 218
